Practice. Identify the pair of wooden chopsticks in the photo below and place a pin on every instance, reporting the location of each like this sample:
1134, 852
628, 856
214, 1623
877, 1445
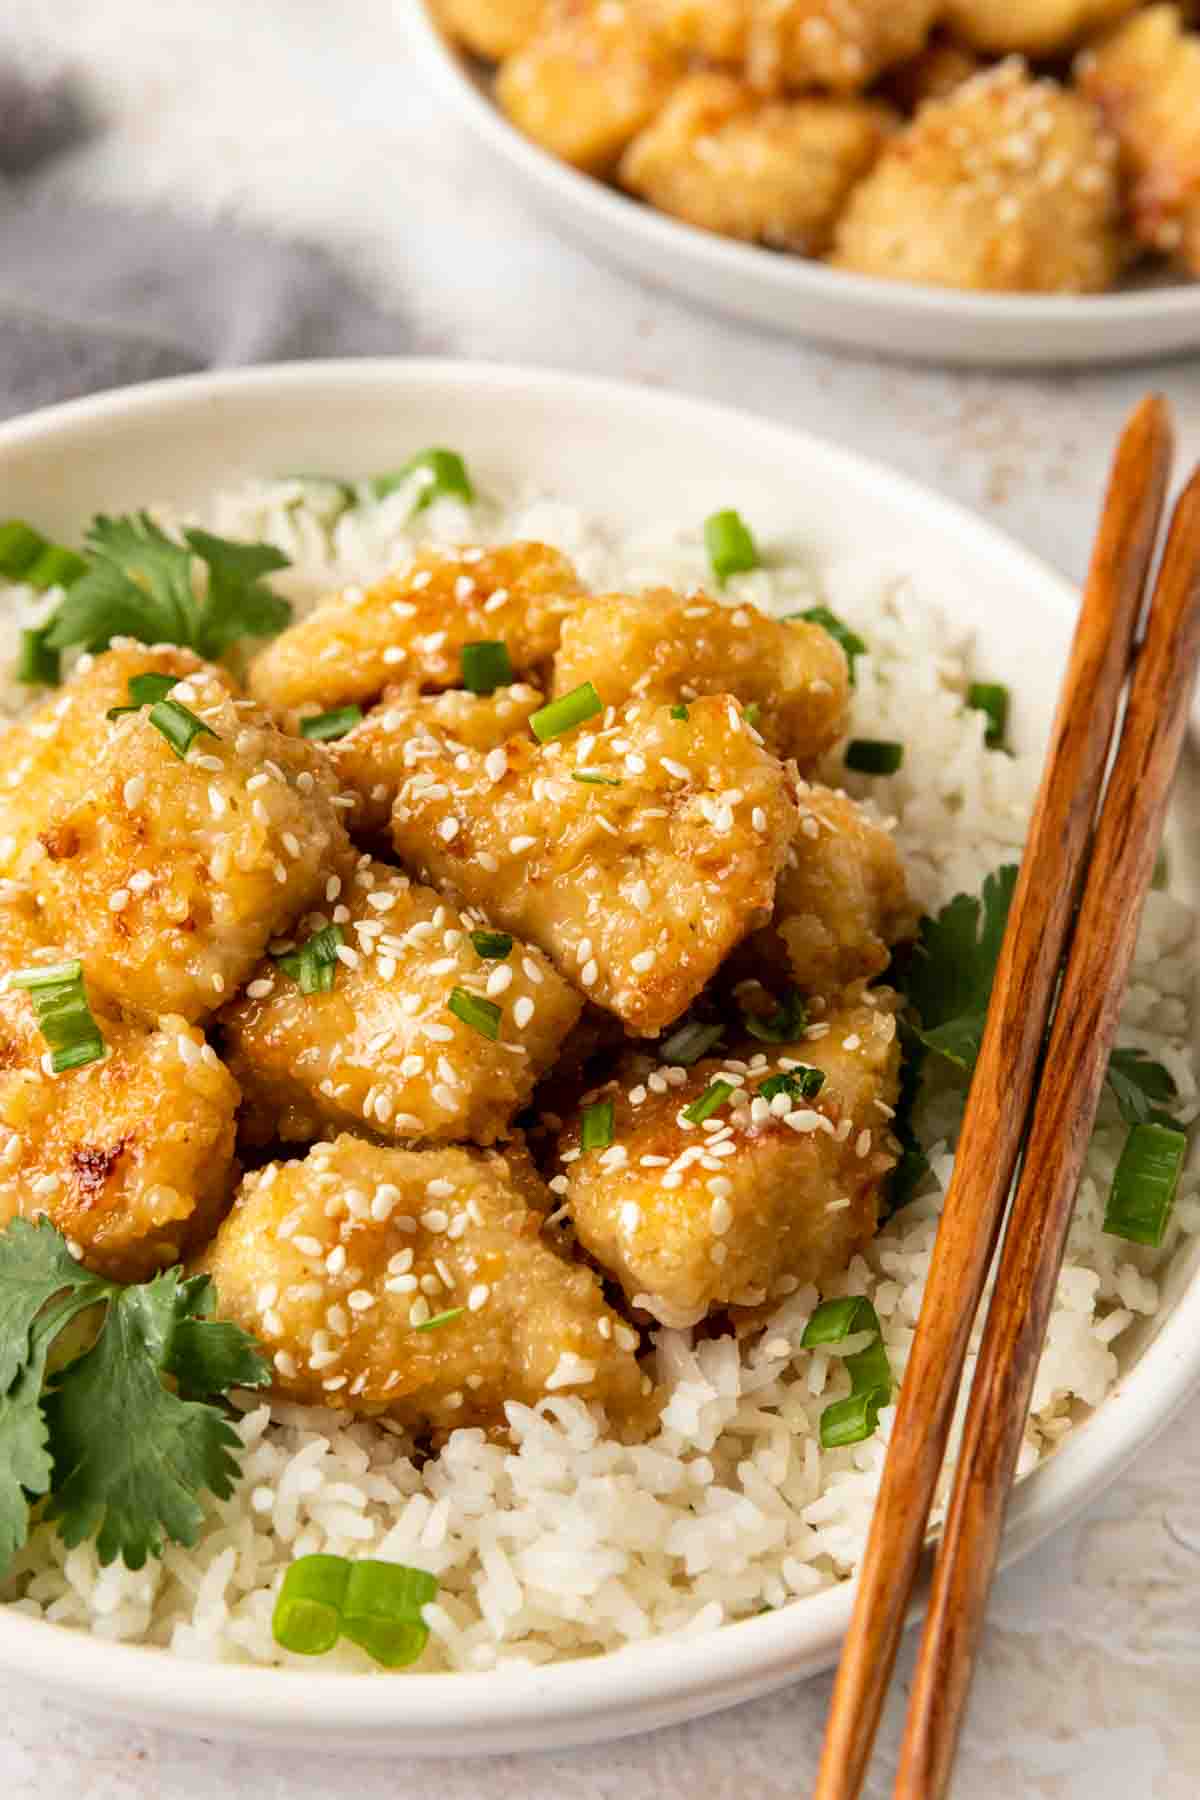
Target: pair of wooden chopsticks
1084, 875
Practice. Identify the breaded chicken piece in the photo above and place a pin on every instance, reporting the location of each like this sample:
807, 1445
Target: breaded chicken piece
1008, 185
47, 759
588, 82
839, 45
1145, 79
491, 29
766, 171
943, 65
382, 1048
636, 891
1034, 28
169, 875
131, 1157
346, 1265
765, 1194
664, 646
411, 627
841, 903
716, 30
408, 728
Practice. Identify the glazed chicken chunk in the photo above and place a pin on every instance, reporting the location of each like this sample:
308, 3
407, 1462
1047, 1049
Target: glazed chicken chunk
412, 626
1008, 185
636, 853
492, 29
386, 1048
419, 1282
586, 83
777, 1186
1146, 80
840, 45
169, 873
842, 899
407, 728
664, 646
130, 1156
716, 30
1037, 28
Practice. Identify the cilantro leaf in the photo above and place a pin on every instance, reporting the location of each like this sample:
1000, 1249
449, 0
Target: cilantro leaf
1139, 1085
238, 603
35, 1265
132, 1456
784, 1025
26, 1465
949, 976
206, 1355
913, 1165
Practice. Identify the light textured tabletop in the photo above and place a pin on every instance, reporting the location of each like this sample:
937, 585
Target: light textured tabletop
306, 116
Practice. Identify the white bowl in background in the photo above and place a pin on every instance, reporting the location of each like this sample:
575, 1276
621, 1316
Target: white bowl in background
628, 454
805, 298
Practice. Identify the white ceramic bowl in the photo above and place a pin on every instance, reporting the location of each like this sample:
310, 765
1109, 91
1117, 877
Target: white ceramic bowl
807, 299
627, 454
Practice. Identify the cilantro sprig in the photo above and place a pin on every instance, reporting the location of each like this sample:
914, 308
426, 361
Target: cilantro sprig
121, 1440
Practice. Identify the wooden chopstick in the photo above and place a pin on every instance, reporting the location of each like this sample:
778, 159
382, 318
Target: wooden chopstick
1085, 1024
1001, 1090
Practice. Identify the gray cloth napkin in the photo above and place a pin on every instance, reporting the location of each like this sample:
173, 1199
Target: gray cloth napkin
98, 296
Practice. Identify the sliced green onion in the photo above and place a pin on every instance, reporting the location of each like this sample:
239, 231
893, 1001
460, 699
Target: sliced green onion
314, 966
1162, 871
851, 1420
692, 1041
804, 1083
680, 712
308, 1613
442, 1318
28, 557
784, 1025
850, 641
596, 1131
322, 728
565, 713
714, 1096
180, 727
481, 1015
991, 698
447, 477
492, 946
752, 713
64, 1017
731, 548
590, 778
381, 1612
1144, 1185
874, 756
37, 664
486, 666
144, 690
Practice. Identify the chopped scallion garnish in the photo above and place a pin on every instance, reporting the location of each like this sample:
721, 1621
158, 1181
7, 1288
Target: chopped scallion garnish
481, 1015
308, 1613
752, 713
874, 756
565, 713
714, 1096
314, 966
1144, 1185
375, 1604
26, 556
64, 1017
850, 641
731, 548
990, 698
692, 1041
851, 1420
439, 1319
784, 1025
486, 666
804, 1083
144, 690
596, 1130
180, 727
37, 664
492, 946
591, 778
323, 728
680, 712
445, 476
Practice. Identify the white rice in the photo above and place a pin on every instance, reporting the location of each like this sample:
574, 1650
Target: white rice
565, 1542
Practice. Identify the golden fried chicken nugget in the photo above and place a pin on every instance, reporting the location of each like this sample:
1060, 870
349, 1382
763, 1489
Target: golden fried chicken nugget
386, 1047
1008, 185
841, 903
409, 727
664, 646
417, 1282
1145, 78
588, 82
130, 1156
168, 873
776, 1186
412, 626
716, 30
1035, 28
492, 29
840, 45
636, 853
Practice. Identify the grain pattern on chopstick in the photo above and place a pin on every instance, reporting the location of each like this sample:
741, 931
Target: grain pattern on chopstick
1085, 1025
998, 1103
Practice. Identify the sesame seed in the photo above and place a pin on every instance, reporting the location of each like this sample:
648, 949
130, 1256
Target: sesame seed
286, 1364
519, 845
360, 1301
401, 1284
434, 1220
118, 900
448, 830
589, 973
523, 1011
419, 1311
630, 1215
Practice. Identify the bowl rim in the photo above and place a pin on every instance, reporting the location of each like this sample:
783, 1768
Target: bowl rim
609, 211
677, 1676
